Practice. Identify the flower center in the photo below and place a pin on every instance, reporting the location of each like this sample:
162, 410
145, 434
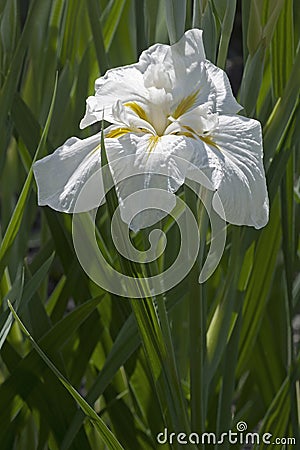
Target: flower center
159, 118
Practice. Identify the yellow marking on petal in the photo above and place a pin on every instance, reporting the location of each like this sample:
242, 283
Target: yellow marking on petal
118, 132
138, 110
142, 130
153, 140
187, 134
190, 129
209, 140
185, 104
205, 138
184, 133
192, 134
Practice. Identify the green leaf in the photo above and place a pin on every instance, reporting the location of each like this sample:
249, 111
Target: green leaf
175, 18
276, 418
7, 29
282, 49
15, 295
35, 281
283, 111
255, 29
111, 18
251, 81
105, 433
15, 222
9, 86
151, 10
26, 125
33, 366
259, 285
94, 17
210, 35
226, 30
126, 343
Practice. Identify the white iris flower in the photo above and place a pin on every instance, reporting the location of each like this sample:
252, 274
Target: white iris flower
173, 105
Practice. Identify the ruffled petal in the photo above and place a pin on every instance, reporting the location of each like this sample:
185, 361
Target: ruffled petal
140, 162
124, 83
237, 172
199, 120
225, 101
190, 46
178, 69
177, 59
61, 175
125, 116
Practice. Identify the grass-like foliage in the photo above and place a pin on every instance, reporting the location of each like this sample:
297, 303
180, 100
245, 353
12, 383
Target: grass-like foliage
81, 368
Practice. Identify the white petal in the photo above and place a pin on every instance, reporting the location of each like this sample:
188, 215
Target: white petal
124, 83
195, 84
124, 116
189, 50
157, 76
136, 165
179, 68
61, 175
200, 119
162, 157
237, 171
190, 46
188, 57
226, 103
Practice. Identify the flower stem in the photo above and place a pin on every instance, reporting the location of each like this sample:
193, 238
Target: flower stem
197, 337
174, 375
164, 322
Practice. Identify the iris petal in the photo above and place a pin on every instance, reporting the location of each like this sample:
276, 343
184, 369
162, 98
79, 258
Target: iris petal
61, 175
237, 171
